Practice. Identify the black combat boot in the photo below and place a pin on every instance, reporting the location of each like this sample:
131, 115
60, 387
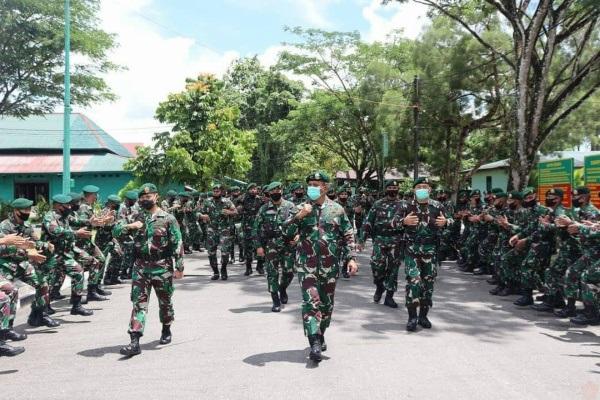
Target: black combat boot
389, 300
283, 296
589, 316
11, 334
215, 268
114, 278
260, 267
493, 280
93, 295
526, 298
413, 320
39, 318
50, 310
546, 306
55, 294
507, 291
480, 270
165, 336
224, 262
101, 291
9, 351
423, 320
315, 348
248, 268
378, 292
568, 311
78, 309
345, 272
133, 348
323, 344
276, 302
497, 290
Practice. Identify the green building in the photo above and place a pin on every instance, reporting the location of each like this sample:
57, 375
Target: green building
31, 157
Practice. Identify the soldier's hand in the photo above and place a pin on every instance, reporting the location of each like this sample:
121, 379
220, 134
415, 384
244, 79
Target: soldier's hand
513, 240
135, 225
352, 267
441, 220
358, 210
178, 274
35, 257
12, 240
488, 218
83, 233
306, 210
473, 218
563, 221
260, 252
520, 245
411, 219
205, 218
360, 247
573, 229
50, 247
587, 223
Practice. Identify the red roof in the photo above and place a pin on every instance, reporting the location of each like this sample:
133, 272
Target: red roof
53, 163
132, 147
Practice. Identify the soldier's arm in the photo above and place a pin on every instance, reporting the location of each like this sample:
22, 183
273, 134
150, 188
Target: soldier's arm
57, 231
291, 226
347, 232
176, 243
367, 228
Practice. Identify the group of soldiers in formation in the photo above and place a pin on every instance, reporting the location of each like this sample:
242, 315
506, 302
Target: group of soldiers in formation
310, 230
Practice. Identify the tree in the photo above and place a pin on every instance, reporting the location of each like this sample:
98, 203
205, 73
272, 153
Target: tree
32, 61
554, 57
206, 143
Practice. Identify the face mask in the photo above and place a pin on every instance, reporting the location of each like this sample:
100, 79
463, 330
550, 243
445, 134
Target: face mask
75, 207
130, 203
442, 198
529, 203
392, 193
551, 203
477, 200
314, 192
343, 199
498, 206
576, 203
65, 212
299, 194
513, 206
23, 216
331, 196
147, 204
421, 194
275, 196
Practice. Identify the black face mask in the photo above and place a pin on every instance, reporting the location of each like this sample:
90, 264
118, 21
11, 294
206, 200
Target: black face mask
275, 196
442, 198
65, 212
75, 207
529, 204
147, 204
477, 200
513, 206
23, 216
499, 206
551, 203
331, 196
576, 202
130, 203
343, 199
392, 193
299, 194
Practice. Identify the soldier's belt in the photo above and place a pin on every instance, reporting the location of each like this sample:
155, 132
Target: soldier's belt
153, 257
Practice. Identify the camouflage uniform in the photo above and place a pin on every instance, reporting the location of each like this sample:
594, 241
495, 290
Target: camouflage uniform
182, 209
237, 226
86, 252
473, 235
365, 201
128, 214
218, 231
192, 221
449, 235
111, 249
511, 260
9, 296
158, 249
248, 211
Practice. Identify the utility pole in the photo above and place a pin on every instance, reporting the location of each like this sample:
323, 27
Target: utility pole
66, 181
416, 109
385, 149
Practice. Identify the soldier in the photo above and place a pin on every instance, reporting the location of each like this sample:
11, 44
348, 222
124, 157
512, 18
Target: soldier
181, 208
248, 209
57, 230
110, 247
236, 198
488, 232
385, 259
169, 202
275, 247
298, 193
469, 256
494, 217
322, 227
422, 219
343, 199
362, 204
448, 240
217, 213
158, 253
192, 221
331, 194
8, 306
27, 265
128, 212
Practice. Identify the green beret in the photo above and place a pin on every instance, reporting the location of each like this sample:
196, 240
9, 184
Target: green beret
62, 199
184, 194
391, 183
196, 194
172, 193
131, 195
497, 190
421, 180
475, 192
113, 198
217, 186
318, 176
501, 195
75, 196
148, 188
464, 192
527, 191
21, 203
251, 185
90, 189
556, 192
235, 189
274, 185
581, 190
515, 194
344, 189
295, 186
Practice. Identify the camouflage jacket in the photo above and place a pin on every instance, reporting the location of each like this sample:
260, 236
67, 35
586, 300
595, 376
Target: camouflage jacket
158, 242
56, 230
533, 230
422, 239
300, 200
248, 210
589, 236
214, 209
348, 208
10, 226
324, 235
268, 226
379, 221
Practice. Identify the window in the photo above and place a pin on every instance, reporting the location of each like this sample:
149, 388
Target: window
32, 190
488, 183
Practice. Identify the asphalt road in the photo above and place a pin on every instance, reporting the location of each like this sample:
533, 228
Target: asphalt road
228, 345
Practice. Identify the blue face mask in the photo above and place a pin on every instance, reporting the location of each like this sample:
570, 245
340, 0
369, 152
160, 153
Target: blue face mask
313, 192
422, 194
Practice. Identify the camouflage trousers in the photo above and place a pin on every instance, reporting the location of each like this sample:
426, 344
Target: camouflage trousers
216, 239
185, 234
9, 296
420, 270
573, 275
318, 289
469, 253
27, 273
249, 245
502, 247
449, 241
195, 234
144, 278
510, 267
533, 267
590, 284
127, 259
93, 261
113, 257
486, 250
554, 276
279, 256
65, 264
385, 262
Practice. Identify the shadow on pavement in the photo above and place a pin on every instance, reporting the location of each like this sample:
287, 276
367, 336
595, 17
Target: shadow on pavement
102, 351
289, 356
9, 371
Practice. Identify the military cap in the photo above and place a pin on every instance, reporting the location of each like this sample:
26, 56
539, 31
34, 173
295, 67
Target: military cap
515, 194
501, 195
318, 176
217, 186
61, 199
528, 191
475, 192
75, 196
391, 183
184, 194
251, 185
172, 193
148, 188
556, 192
235, 189
113, 198
131, 195
497, 190
90, 189
464, 192
195, 194
344, 189
581, 190
421, 180
273, 186
21, 203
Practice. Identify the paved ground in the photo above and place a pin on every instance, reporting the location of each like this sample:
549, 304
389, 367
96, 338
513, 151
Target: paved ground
228, 345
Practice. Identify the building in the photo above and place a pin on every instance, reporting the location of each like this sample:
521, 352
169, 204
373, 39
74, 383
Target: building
31, 157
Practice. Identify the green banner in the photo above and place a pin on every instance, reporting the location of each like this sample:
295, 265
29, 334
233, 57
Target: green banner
556, 174
591, 176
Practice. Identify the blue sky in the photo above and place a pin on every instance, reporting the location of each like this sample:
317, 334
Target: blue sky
162, 42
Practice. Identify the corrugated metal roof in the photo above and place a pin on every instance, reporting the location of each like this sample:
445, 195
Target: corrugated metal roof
50, 164
44, 132
577, 156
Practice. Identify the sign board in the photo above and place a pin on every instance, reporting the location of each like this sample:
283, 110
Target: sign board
556, 174
591, 176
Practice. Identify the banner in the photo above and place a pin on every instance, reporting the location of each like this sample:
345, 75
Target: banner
591, 176
556, 174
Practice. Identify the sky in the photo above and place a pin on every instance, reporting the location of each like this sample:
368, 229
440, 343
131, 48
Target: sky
162, 42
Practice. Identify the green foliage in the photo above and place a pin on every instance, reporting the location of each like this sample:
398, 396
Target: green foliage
32, 61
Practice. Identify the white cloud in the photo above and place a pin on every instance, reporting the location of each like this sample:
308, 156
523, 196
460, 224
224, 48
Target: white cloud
410, 17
